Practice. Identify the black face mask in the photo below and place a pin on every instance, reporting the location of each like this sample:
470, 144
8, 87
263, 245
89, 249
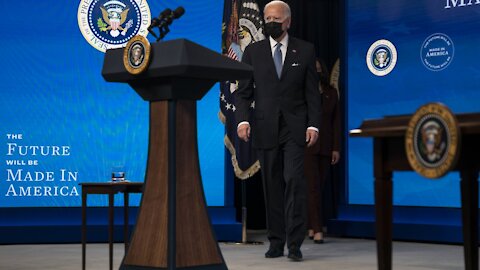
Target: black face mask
273, 29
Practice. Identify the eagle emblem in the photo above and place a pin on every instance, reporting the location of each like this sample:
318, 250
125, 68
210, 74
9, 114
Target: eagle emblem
114, 15
432, 144
432, 140
381, 59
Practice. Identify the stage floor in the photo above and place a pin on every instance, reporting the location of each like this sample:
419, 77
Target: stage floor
335, 253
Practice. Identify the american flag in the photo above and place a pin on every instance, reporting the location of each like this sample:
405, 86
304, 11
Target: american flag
242, 25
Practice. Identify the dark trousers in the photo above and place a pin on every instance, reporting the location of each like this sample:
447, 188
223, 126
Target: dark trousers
317, 172
284, 185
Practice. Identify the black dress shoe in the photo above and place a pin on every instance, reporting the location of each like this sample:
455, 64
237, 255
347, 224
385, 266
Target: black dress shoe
318, 241
274, 253
295, 255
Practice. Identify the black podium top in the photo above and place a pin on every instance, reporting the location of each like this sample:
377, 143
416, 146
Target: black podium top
179, 69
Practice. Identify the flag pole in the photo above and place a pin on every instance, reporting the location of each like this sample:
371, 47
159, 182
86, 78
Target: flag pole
244, 220
244, 212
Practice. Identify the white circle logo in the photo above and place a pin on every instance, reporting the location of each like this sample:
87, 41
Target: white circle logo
109, 24
381, 57
437, 52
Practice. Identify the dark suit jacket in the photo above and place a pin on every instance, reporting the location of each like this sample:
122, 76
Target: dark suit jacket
295, 95
329, 136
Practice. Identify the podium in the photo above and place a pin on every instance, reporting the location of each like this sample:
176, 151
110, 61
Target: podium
173, 230
389, 156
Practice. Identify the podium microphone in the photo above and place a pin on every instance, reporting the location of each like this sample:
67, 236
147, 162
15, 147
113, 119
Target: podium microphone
168, 19
163, 20
157, 21
161, 17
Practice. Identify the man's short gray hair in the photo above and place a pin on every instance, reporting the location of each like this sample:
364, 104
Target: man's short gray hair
286, 7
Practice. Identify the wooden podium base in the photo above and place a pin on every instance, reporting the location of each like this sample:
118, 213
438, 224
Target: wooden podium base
173, 230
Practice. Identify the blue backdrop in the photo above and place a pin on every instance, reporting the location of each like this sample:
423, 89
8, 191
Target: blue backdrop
53, 96
408, 25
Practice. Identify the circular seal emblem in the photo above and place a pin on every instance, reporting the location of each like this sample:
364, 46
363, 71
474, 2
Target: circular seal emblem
136, 55
109, 24
432, 141
381, 57
437, 52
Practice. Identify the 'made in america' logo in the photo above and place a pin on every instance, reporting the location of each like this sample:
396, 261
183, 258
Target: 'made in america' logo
437, 52
108, 24
381, 57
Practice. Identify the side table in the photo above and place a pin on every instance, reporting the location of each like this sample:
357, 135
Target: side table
110, 188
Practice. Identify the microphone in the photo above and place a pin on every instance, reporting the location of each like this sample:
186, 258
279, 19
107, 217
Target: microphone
157, 21
178, 12
168, 19
164, 19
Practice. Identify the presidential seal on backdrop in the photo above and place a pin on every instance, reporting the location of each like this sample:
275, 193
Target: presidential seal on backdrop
432, 141
108, 24
381, 57
136, 55
250, 24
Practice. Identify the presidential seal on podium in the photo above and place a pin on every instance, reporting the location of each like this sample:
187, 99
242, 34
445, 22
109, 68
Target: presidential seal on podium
432, 141
136, 55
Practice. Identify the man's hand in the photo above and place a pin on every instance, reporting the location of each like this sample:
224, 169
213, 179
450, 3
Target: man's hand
311, 137
243, 132
335, 157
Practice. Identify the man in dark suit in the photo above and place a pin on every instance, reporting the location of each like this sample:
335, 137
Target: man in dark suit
286, 118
